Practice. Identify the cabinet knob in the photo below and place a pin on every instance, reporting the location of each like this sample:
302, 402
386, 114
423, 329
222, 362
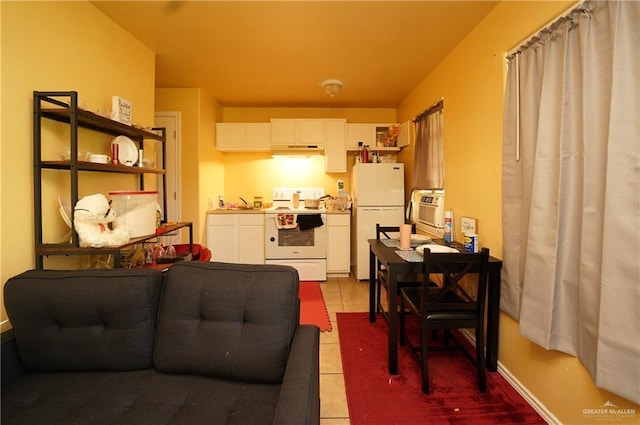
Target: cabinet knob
272, 239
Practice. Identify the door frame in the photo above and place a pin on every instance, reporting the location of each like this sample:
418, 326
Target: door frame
173, 161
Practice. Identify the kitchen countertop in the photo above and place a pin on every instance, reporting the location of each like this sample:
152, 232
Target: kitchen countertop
260, 211
237, 211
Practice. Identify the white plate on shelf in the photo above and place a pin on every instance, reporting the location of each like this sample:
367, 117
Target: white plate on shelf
127, 150
65, 210
435, 248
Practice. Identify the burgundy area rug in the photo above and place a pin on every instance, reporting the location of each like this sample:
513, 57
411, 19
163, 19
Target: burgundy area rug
375, 397
313, 311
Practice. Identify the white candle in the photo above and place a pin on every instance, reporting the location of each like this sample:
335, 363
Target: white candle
405, 236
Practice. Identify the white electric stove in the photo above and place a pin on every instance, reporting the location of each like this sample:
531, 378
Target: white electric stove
300, 242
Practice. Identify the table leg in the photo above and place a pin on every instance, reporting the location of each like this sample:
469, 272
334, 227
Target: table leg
493, 317
372, 286
393, 321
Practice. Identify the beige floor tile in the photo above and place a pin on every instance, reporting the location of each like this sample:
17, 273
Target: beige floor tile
330, 337
333, 399
332, 284
332, 298
330, 360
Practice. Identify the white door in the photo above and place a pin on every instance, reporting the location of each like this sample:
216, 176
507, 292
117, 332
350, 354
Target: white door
171, 122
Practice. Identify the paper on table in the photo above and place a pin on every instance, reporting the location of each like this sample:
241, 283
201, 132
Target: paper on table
405, 236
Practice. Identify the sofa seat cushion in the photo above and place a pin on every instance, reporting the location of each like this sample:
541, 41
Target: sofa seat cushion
231, 321
135, 397
83, 320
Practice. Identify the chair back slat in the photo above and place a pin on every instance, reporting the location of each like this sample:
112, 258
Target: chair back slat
453, 295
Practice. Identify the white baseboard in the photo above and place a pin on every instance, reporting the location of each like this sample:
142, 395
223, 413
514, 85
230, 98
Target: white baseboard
529, 398
533, 401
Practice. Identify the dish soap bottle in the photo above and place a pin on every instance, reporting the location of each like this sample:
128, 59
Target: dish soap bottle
448, 227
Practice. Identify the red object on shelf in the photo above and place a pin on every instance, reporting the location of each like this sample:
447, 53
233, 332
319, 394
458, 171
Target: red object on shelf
200, 253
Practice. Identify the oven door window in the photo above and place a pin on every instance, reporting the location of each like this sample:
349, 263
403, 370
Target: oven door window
296, 237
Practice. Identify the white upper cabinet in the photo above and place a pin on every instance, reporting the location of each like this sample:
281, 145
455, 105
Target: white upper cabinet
371, 134
335, 147
294, 131
243, 137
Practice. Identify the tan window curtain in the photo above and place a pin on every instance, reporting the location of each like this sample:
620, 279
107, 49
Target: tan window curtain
571, 191
428, 157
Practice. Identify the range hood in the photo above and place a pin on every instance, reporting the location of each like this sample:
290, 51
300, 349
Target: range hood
296, 147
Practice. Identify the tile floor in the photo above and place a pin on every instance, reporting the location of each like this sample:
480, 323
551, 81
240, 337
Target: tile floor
342, 294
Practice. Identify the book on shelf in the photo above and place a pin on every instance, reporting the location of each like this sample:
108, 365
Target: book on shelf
121, 110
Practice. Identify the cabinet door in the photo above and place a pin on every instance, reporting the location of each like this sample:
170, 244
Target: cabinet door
404, 138
251, 244
221, 240
335, 149
338, 243
257, 137
229, 136
311, 131
283, 131
364, 133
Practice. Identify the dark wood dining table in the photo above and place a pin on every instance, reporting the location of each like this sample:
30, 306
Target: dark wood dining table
395, 265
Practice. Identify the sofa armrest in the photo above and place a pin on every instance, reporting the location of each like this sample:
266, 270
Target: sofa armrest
299, 402
11, 364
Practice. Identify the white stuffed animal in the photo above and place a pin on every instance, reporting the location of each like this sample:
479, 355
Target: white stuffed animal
91, 217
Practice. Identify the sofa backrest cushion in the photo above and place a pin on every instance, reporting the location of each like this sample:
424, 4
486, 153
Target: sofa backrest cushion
84, 320
231, 321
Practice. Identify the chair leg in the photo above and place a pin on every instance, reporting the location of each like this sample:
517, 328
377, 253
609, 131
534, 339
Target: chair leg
379, 293
480, 360
402, 320
424, 357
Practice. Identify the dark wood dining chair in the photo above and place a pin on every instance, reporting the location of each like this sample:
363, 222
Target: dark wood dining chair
451, 306
414, 280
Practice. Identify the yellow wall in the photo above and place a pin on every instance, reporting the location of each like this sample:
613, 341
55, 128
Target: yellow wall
201, 165
57, 46
471, 80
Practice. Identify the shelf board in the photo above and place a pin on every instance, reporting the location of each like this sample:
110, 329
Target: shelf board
109, 168
377, 149
88, 119
69, 249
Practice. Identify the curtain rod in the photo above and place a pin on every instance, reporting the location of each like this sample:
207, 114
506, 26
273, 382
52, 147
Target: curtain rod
578, 6
431, 109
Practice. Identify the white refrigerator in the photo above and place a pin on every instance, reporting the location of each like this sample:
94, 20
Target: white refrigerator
377, 191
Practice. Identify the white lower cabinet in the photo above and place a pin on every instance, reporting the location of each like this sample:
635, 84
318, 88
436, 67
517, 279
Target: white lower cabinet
236, 238
338, 243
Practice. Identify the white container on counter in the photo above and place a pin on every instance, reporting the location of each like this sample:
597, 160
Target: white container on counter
136, 210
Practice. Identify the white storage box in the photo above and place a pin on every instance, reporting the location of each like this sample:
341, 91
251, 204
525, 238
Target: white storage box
136, 210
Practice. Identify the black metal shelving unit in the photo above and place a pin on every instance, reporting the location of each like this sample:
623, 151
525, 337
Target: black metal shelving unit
62, 106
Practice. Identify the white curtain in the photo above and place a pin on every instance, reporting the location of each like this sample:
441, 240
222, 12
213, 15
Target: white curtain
571, 191
428, 158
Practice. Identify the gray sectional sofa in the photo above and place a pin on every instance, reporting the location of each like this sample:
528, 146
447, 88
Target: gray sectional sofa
205, 343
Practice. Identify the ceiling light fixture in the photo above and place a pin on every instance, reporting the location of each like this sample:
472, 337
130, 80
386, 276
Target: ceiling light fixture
332, 86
